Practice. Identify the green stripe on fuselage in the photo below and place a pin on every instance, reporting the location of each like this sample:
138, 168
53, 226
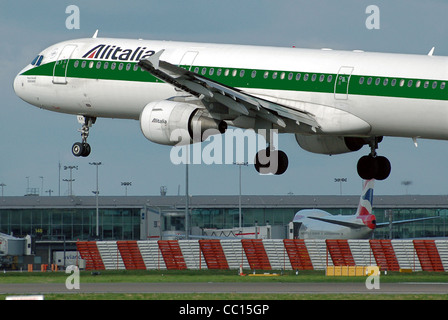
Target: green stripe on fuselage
275, 80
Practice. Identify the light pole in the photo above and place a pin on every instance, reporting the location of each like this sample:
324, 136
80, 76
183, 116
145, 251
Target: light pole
96, 194
126, 184
2, 185
340, 180
239, 197
70, 186
41, 185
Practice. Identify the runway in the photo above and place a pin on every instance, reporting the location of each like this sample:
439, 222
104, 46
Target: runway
227, 287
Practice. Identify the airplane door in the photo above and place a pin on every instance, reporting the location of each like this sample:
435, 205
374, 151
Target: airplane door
342, 83
61, 65
188, 59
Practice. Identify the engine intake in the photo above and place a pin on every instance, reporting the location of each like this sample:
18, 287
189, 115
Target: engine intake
176, 123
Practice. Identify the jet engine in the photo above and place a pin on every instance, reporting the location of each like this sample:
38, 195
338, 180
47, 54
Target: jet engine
330, 144
177, 123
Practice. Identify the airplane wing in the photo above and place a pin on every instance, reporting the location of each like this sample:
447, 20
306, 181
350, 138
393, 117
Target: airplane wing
233, 98
386, 224
338, 222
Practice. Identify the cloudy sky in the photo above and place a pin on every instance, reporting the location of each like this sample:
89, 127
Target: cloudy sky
33, 142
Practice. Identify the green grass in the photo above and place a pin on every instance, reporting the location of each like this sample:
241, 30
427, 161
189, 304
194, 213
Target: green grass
208, 276
157, 276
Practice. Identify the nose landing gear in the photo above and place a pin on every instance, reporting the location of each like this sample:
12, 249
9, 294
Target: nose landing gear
373, 166
82, 149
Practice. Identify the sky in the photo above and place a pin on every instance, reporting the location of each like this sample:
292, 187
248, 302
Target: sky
33, 142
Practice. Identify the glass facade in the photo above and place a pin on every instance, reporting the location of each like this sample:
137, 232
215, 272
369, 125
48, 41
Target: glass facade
229, 218
123, 220
74, 224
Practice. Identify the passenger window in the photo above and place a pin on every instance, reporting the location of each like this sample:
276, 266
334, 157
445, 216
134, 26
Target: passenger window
91, 64
203, 71
298, 76
274, 75
218, 73
196, 70
211, 71
410, 83
106, 65
226, 73
76, 64
385, 81
434, 84
314, 77
128, 67
282, 75
120, 66
234, 72
418, 84
290, 76
135, 67
442, 85
361, 80
426, 85
305, 77
330, 77
83, 64
322, 78
266, 75
393, 82
254, 74
114, 64
242, 73
377, 81
369, 81
98, 65
401, 82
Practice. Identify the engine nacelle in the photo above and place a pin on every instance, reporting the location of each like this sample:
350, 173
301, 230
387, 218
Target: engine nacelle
329, 144
176, 123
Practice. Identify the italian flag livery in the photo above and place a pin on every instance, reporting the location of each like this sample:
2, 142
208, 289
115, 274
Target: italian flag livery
333, 101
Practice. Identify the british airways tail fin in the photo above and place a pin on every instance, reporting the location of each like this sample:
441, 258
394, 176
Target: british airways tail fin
366, 200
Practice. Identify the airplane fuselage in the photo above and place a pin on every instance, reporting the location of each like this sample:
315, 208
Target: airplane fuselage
350, 93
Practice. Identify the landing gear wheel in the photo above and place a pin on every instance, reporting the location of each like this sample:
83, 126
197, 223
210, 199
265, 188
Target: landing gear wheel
271, 162
377, 168
77, 149
81, 149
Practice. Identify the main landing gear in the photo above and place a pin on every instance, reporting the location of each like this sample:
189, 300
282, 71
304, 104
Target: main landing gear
373, 166
270, 160
82, 149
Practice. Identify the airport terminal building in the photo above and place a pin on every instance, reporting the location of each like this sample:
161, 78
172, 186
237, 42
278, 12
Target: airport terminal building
152, 217
55, 224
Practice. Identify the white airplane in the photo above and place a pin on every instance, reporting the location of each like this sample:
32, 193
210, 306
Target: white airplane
319, 224
333, 101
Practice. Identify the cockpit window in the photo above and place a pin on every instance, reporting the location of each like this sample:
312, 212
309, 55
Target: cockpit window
37, 61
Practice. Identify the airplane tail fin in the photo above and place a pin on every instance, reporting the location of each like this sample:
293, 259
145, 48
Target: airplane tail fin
366, 200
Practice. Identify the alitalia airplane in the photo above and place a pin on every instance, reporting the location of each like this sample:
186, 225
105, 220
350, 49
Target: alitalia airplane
332, 101
319, 224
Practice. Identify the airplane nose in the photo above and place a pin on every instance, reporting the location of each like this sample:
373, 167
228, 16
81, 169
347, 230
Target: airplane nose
18, 84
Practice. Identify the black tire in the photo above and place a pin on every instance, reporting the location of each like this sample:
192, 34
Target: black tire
367, 167
78, 149
271, 162
384, 168
86, 150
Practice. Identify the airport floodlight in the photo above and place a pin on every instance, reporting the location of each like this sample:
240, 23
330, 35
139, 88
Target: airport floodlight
2, 185
97, 231
239, 197
340, 180
126, 184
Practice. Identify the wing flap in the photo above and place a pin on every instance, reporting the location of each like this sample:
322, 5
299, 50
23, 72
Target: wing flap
233, 98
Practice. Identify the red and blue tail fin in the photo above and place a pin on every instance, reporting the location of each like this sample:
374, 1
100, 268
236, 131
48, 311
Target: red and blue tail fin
366, 200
